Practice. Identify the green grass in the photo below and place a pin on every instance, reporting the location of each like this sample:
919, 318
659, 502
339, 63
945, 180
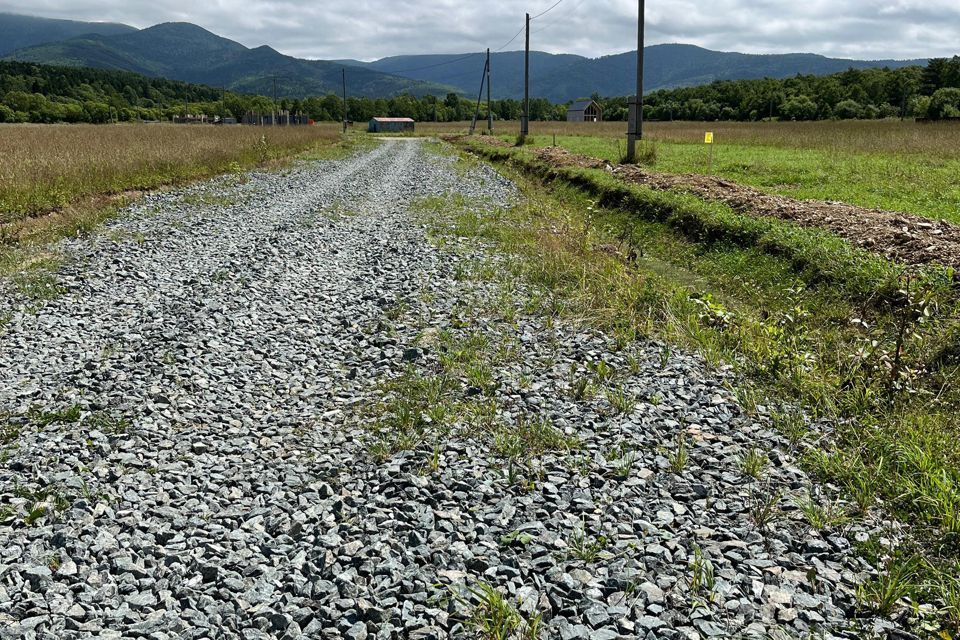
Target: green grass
817, 255
924, 185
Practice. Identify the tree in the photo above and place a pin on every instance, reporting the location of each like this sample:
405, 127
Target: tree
848, 110
799, 108
944, 103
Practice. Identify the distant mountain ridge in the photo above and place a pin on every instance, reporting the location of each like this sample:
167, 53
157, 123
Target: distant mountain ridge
19, 31
184, 51
565, 77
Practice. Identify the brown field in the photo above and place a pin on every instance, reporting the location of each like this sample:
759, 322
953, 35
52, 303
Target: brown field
856, 136
47, 167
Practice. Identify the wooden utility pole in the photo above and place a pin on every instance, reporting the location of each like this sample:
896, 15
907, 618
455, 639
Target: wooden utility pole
635, 125
273, 114
483, 80
525, 120
344, 73
489, 110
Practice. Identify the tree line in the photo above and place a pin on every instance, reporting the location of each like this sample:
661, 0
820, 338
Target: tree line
45, 94
931, 92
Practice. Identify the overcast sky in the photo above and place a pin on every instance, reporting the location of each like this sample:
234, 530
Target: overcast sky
369, 29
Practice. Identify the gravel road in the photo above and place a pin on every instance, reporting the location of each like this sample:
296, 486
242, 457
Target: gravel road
188, 452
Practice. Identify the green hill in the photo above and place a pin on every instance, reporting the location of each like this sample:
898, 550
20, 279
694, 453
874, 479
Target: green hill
564, 77
186, 52
19, 31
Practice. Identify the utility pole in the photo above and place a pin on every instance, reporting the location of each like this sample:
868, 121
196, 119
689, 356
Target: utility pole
273, 114
483, 80
525, 120
344, 73
489, 111
186, 96
223, 105
635, 125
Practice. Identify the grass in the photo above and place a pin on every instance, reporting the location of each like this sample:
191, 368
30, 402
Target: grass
900, 166
585, 547
817, 255
842, 335
822, 516
753, 463
493, 617
47, 167
64, 180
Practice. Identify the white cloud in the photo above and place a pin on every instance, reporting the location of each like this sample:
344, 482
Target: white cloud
368, 29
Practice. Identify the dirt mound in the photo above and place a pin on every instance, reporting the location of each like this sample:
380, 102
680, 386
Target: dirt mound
906, 238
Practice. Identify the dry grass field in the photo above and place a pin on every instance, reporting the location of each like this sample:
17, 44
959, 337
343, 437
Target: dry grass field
46, 167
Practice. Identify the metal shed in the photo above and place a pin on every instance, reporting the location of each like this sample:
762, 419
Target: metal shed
584, 111
395, 125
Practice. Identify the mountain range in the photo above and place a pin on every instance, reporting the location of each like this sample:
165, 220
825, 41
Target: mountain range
183, 51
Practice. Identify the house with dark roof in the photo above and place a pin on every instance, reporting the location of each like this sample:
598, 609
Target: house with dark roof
584, 111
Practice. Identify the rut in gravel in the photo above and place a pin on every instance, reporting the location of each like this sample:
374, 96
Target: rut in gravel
189, 433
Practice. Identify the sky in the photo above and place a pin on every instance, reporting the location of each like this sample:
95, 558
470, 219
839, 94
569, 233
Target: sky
371, 29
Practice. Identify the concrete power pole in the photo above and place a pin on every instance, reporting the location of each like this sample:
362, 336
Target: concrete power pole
635, 125
489, 111
345, 120
525, 120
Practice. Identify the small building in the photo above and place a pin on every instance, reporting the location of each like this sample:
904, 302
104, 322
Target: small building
584, 111
392, 125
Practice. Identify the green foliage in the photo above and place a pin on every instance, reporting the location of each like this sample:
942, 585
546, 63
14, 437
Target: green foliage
854, 93
753, 463
944, 103
493, 617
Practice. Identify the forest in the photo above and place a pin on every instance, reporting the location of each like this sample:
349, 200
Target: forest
47, 94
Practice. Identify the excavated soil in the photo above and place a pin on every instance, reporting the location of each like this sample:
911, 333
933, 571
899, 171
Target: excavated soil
906, 238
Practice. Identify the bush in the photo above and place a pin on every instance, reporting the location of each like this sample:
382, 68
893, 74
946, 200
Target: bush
848, 110
799, 108
944, 103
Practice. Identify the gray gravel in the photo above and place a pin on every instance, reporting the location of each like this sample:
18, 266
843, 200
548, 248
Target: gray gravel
224, 344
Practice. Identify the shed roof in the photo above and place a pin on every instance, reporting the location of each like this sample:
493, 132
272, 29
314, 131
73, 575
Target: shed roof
580, 105
393, 119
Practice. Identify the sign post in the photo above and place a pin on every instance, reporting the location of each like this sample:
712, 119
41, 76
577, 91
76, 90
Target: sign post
708, 140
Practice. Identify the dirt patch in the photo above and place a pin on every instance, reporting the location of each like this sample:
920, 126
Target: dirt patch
906, 238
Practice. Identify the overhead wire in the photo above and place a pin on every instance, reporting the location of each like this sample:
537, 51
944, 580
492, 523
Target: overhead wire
515, 36
551, 23
470, 55
431, 66
551, 8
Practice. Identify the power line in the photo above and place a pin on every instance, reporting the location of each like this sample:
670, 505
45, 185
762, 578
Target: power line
430, 66
515, 36
543, 13
551, 23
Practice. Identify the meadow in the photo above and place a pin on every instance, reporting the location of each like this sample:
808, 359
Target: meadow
888, 164
47, 167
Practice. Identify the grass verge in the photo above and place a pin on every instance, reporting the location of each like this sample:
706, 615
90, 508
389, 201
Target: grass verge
848, 338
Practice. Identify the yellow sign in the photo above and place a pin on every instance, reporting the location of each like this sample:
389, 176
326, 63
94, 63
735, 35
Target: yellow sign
708, 137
